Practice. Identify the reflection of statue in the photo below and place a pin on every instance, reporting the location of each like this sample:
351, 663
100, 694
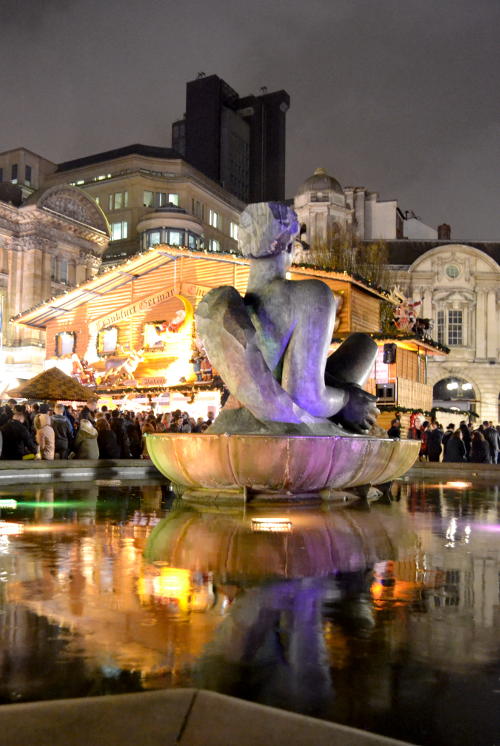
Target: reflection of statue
271, 346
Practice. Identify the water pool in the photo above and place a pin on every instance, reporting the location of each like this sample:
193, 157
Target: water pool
386, 620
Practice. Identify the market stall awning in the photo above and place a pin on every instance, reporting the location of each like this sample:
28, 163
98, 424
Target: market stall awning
53, 385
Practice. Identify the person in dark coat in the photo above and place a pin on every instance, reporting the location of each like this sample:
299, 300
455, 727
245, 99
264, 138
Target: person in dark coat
454, 448
118, 427
466, 437
479, 450
62, 430
434, 439
7, 411
491, 435
106, 439
17, 441
447, 435
395, 429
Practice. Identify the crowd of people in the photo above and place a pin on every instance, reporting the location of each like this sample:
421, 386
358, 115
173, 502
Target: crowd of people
479, 445
58, 431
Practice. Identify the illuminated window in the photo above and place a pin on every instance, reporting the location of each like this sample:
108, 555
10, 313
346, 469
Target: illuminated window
107, 340
214, 245
154, 238
233, 230
65, 343
118, 200
173, 199
213, 219
119, 230
148, 199
176, 238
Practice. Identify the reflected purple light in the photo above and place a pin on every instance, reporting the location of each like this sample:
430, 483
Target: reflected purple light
491, 528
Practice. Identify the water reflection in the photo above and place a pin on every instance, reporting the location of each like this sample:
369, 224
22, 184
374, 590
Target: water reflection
378, 619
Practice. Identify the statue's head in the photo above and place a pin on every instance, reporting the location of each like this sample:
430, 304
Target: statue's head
267, 229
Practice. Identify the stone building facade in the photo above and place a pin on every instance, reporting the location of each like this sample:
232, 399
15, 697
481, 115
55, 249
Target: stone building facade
458, 286
48, 244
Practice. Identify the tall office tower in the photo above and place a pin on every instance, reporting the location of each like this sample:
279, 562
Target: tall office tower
238, 142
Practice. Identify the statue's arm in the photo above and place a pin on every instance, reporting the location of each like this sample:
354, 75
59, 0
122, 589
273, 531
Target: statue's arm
314, 307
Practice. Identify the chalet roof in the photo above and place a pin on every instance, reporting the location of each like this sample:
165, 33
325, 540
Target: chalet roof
55, 385
150, 151
138, 266
405, 251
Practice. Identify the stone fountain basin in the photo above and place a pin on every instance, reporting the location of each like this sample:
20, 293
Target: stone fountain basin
296, 464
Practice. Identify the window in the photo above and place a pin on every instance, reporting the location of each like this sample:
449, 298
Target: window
173, 199
101, 177
450, 327
65, 343
148, 199
455, 335
198, 209
118, 200
214, 245
233, 230
154, 238
53, 268
13, 173
1, 174
213, 219
107, 340
119, 230
62, 270
175, 238
27, 175
440, 327
162, 199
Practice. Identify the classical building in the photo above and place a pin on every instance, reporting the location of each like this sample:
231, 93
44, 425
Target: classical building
458, 288
238, 142
325, 208
48, 244
141, 188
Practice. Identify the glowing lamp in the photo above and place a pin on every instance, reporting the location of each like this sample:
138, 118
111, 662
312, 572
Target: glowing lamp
272, 525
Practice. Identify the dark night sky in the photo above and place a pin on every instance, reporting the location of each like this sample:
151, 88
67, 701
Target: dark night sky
400, 96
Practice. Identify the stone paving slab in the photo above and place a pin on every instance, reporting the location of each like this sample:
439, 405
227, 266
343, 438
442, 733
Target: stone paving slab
174, 717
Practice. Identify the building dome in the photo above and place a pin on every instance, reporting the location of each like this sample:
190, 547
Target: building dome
321, 181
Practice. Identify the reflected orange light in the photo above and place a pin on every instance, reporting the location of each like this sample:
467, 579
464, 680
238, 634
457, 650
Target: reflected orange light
459, 485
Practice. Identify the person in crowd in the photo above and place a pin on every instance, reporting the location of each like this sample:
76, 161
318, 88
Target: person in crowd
17, 441
480, 450
198, 425
106, 439
45, 436
176, 424
454, 448
134, 434
7, 412
447, 434
85, 444
434, 438
62, 431
491, 436
395, 429
466, 435
89, 411
118, 427
146, 428
424, 434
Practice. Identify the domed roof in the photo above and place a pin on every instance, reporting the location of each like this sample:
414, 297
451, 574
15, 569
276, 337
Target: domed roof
321, 181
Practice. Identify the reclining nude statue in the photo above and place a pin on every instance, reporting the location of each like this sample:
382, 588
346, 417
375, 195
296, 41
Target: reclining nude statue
271, 346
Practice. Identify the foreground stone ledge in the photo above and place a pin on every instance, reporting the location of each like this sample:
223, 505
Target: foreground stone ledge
184, 717
62, 470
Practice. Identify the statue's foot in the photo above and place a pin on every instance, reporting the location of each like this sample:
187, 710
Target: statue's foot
360, 413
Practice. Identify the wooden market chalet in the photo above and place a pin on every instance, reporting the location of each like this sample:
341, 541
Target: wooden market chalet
130, 330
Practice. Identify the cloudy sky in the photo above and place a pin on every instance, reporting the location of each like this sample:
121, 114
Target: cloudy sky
400, 96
